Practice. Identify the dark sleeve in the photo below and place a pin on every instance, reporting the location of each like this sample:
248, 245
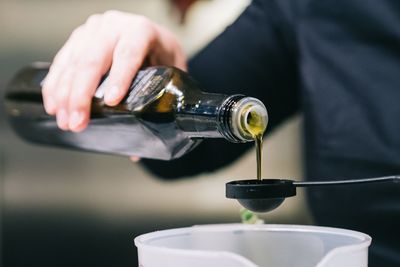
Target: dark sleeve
255, 56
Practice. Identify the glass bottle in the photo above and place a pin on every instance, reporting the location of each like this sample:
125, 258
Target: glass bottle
163, 116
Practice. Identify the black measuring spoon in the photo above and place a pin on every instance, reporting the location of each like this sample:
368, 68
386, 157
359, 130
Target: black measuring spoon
268, 194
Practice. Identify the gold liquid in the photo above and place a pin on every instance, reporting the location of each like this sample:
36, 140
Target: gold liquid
258, 140
256, 125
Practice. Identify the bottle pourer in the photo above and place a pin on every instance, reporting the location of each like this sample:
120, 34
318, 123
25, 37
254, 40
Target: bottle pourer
268, 194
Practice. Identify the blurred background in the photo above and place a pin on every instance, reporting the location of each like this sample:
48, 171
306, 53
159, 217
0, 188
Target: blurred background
63, 208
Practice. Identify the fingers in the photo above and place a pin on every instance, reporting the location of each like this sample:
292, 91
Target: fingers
81, 93
61, 98
128, 57
76, 72
92, 63
89, 70
60, 63
115, 40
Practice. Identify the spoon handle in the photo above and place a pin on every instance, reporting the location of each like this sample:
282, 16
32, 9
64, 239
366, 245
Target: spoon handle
394, 179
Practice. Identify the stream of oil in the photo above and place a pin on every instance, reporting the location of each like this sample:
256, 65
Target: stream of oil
256, 126
258, 141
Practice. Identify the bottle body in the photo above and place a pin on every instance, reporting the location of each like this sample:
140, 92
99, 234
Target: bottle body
163, 116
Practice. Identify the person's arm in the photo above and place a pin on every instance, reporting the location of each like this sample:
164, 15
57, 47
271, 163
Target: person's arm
254, 56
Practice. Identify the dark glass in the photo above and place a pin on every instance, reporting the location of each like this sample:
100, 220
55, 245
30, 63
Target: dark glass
163, 116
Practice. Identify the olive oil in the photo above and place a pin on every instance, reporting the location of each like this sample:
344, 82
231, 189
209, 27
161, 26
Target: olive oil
255, 124
258, 140
164, 115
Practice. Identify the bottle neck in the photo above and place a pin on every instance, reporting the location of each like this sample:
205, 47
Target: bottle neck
198, 115
243, 119
220, 116
225, 120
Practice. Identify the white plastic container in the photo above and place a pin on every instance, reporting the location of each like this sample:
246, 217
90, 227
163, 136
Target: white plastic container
239, 245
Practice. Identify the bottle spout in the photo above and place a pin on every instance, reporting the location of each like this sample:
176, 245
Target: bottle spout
249, 119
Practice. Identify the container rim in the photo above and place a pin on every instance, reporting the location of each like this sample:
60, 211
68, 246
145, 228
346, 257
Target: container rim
142, 241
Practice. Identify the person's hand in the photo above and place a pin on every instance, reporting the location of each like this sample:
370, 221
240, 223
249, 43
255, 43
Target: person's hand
114, 41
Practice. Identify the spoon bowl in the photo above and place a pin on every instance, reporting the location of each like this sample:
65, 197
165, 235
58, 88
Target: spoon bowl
260, 195
262, 204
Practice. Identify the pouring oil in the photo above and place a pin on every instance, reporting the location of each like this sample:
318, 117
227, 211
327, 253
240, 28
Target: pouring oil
255, 123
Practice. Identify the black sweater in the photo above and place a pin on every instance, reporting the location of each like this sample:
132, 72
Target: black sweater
339, 63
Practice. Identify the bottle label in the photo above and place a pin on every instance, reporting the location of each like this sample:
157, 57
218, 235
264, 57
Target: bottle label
142, 90
143, 85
